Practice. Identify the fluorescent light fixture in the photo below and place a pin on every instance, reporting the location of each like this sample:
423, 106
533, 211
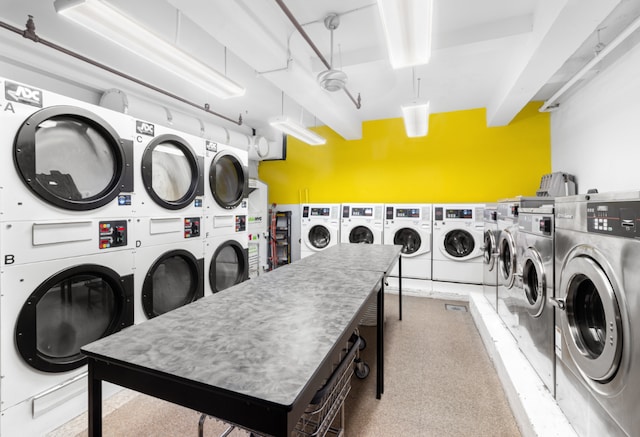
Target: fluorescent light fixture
407, 27
295, 129
103, 19
416, 119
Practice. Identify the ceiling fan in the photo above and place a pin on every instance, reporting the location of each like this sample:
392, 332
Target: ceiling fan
332, 79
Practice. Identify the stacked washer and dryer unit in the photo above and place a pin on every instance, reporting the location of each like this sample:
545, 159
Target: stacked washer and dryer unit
597, 299
67, 244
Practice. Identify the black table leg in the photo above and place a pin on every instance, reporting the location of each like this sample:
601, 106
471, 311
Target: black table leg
95, 403
400, 284
380, 343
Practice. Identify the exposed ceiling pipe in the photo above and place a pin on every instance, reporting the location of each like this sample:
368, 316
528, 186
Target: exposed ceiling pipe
551, 104
306, 37
30, 33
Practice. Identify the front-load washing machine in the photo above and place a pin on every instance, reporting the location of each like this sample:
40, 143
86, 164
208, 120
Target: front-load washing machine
62, 159
362, 223
226, 261
48, 311
457, 243
169, 264
597, 296
169, 171
507, 218
410, 226
532, 295
490, 255
320, 227
227, 188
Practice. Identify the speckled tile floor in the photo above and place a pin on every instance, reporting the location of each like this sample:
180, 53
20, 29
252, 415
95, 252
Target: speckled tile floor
439, 381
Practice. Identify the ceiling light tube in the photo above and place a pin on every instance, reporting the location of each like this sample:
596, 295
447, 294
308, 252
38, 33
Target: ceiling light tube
416, 119
295, 129
407, 28
108, 22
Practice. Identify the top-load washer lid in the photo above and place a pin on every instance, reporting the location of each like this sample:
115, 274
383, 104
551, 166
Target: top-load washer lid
72, 158
229, 266
459, 243
228, 180
171, 172
319, 236
410, 240
70, 310
361, 234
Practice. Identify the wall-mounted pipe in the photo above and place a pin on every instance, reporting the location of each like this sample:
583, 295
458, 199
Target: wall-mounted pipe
30, 33
550, 104
307, 38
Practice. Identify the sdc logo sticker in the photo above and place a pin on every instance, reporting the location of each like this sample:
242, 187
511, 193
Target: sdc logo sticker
14, 92
145, 128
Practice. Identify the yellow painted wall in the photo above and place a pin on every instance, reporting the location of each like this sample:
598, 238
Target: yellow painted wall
460, 160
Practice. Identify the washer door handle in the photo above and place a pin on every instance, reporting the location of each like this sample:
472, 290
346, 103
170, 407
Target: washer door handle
558, 303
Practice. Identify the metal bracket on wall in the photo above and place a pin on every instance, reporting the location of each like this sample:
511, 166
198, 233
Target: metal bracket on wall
30, 33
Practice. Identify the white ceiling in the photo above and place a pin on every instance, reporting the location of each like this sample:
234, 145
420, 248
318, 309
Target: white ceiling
493, 54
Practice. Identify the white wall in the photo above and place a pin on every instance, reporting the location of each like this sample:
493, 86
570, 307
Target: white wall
595, 133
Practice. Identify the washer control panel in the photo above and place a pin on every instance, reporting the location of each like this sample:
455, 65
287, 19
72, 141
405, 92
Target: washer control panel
614, 218
112, 234
191, 227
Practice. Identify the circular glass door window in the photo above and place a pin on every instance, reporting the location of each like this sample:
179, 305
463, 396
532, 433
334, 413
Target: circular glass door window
70, 158
459, 243
319, 236
72, 309
172, 281
227, 180
489, 249
170, 172
409, 239
361, 234
229, 266
534, 282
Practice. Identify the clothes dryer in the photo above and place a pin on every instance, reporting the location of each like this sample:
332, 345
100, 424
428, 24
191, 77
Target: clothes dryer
532, 296
597, 296
226, 261
457, 243
410, 226
169, 264
62, 159
490, 255
169, 171
320, 227
227, 188
362, 223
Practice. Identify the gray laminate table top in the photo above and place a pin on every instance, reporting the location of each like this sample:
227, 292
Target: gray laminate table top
374, 257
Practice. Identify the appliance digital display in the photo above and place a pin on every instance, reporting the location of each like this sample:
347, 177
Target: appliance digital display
408, 212
320, 212
460, 213
362, 212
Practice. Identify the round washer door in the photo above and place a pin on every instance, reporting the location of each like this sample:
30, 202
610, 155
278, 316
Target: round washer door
410, 240
72, 158
174, 280
228, 180
507, 258
361, 234
69, 310
534, 282
458, 244
591, 322
171, 172
229, 266
489, 249
319, 236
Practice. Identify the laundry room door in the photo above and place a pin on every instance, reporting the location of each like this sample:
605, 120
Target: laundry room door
228, 180
229, 266
72, 158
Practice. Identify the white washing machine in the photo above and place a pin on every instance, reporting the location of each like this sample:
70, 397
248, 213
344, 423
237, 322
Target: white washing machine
410, 226
55, 307
227, 188
490, 255
62, 159
362, 223
597, 323
226, 261
457, 243
169, 167
169, 264
319, 227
